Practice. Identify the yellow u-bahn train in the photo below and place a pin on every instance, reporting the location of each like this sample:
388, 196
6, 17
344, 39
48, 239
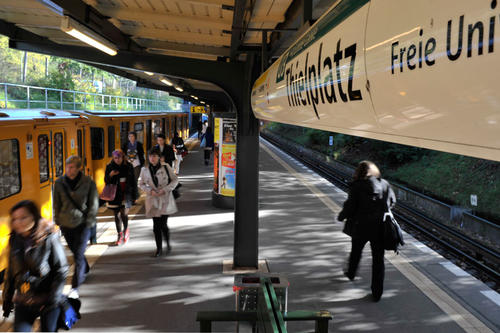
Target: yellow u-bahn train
34, 145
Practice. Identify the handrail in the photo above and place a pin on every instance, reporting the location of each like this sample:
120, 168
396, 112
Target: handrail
62, 99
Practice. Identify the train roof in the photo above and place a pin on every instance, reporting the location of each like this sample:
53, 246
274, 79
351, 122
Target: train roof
120, 113
32, 114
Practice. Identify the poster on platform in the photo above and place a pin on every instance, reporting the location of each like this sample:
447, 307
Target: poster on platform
227, 178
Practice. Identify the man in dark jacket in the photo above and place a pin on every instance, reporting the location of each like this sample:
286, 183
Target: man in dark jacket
166, 151
134, 151
75, 209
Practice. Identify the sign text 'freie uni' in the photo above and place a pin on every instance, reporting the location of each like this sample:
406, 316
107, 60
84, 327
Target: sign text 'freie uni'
320, 77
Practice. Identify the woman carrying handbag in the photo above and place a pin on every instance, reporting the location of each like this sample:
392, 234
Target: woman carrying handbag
158, 180
369, 195
119, 174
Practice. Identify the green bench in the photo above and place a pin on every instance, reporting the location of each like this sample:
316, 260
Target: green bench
268, 317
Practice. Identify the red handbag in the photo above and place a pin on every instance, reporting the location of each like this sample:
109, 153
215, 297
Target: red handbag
109, 192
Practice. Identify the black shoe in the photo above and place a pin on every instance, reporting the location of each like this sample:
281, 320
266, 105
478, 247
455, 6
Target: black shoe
169, 248
350, 277
157, 254
376, 298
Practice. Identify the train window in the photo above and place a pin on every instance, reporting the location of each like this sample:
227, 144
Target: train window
80, 142
10, 181
43, 157
138, 127
139, 130
59, 154
111, 140
97, 142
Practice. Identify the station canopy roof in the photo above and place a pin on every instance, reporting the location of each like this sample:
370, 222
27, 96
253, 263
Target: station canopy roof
210, 30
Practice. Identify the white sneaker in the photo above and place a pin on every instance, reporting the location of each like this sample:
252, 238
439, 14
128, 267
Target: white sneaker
73, 293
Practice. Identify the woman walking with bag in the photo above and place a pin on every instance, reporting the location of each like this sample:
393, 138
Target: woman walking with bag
369, 197
158, 180
120, 174
179, 149
36, 271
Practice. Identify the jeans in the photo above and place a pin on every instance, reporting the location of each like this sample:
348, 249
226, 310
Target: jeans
25, 316
77, 239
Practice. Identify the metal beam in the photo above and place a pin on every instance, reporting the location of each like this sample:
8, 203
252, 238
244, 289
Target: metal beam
90, 17
191, 48
237, 34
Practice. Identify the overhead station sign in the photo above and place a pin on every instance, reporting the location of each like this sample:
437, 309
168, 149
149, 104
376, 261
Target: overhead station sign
198, 109
424, 76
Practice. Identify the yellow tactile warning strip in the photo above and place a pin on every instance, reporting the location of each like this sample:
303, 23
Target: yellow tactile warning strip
452, 308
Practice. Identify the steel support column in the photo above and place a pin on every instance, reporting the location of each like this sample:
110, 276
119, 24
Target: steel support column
246, 226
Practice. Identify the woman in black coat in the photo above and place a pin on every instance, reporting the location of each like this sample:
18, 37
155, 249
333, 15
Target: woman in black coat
369, 197
121, 173
36, 271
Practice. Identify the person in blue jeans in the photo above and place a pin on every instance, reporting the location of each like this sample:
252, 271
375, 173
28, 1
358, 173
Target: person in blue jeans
36, 272
75, 209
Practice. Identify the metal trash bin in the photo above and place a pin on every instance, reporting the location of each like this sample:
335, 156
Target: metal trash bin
246, 287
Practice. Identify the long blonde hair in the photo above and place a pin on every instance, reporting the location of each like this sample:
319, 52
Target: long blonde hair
366, 169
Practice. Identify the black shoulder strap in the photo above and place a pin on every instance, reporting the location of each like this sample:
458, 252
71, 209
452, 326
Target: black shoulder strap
168, 173
66, 190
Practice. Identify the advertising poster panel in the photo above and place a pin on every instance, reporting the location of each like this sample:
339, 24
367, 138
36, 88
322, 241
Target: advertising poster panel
228, 170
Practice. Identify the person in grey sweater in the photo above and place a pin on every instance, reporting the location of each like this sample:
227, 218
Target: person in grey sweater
75, 208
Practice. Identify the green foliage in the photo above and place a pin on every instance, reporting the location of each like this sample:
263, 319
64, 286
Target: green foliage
66, 74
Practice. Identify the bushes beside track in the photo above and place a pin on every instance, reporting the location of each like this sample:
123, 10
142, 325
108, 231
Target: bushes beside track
447, 177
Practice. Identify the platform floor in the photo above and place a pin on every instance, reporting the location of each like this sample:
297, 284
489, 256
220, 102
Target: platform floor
128, 290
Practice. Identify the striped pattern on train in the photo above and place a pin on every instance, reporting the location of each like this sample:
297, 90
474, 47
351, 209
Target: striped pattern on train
35, 143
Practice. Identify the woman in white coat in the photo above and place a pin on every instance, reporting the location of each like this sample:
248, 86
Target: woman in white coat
158, 180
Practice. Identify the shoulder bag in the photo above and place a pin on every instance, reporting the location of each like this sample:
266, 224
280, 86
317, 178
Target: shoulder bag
175, 191
109, 192
393, 235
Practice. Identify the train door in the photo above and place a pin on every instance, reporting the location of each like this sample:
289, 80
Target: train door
124, 129
148, 134
83, 149
51, 153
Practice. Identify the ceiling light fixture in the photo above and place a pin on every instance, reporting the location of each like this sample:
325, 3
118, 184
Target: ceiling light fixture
167, 82
179, 88
79, 31
149, 73
193, 96
202, 102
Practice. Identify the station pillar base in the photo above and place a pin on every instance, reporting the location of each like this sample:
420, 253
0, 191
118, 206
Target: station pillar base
222, 201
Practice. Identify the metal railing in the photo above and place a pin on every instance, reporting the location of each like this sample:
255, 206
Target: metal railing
16, 96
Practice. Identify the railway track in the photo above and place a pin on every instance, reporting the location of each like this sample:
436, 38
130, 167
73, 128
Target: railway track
479, 260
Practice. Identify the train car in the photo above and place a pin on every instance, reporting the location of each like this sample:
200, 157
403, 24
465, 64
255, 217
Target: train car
424, 76
109, 131
34, 145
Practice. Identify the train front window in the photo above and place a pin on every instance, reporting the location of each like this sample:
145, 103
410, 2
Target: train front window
43, 157
59, 154
97, 142
10, 181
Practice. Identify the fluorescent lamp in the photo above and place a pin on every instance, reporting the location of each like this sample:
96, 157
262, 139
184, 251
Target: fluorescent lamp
77, 30
179, 88
149, 73
167, 82
193, 96
202, 102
